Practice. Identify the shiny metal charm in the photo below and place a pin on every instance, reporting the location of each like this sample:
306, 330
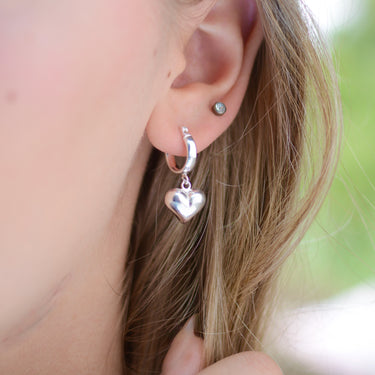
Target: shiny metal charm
184, 202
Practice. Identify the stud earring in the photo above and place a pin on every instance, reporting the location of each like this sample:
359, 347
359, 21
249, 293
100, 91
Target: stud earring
184, 202
219, 108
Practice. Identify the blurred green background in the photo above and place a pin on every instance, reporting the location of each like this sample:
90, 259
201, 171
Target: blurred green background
338, 252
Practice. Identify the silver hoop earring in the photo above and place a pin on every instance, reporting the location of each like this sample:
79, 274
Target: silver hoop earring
184, 202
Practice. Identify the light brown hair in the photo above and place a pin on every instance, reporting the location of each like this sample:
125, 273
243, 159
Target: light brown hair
265, 179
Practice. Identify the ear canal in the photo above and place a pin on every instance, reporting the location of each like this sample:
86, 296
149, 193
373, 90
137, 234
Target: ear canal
213, 56
215, 50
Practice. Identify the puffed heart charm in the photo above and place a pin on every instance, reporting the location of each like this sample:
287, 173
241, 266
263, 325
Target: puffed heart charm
185, 203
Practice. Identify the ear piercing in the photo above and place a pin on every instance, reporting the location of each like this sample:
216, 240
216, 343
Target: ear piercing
219, 108
184, 202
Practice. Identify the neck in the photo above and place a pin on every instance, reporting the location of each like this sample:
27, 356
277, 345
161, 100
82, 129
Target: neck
78, 330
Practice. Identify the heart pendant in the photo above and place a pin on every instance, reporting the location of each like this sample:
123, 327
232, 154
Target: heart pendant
185, 203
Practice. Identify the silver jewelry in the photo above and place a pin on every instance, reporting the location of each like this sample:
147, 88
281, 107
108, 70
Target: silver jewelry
184, 202
219, 108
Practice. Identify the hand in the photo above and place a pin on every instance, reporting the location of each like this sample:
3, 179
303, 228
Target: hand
185, 357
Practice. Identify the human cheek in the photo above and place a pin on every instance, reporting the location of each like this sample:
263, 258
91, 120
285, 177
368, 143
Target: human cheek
66, 88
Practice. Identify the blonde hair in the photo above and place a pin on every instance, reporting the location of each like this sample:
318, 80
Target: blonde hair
265, 179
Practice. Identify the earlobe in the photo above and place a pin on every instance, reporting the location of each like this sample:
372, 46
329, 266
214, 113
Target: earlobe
219, 57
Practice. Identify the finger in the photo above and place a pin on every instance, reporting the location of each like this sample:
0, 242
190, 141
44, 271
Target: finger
244, 363
185, 355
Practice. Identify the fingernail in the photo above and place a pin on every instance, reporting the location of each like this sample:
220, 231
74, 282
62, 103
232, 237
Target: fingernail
190, 324
185, 354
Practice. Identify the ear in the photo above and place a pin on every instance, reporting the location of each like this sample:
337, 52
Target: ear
218, 58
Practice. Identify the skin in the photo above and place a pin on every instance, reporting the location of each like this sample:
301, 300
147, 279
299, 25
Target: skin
185, 357
87, 88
